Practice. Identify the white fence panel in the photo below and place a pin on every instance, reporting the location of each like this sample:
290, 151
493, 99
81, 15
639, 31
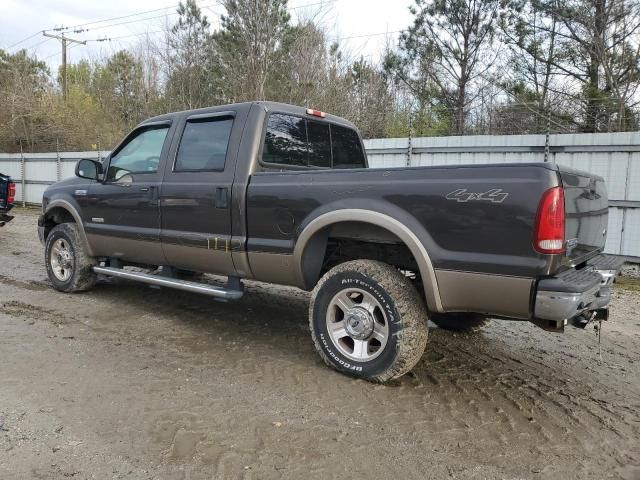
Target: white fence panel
614, 156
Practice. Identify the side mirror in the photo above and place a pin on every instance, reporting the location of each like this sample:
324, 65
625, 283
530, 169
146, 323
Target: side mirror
89, 169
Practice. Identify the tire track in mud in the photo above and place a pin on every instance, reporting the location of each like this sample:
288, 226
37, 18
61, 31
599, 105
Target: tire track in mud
34, 285
522, 391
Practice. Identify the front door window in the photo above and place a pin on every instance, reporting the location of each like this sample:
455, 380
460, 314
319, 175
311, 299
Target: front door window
141, 154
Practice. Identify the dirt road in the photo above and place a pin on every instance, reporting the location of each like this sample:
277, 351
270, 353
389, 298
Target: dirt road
132, 382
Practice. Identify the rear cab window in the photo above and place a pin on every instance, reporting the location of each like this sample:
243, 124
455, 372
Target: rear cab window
293, 141
346, 148
286, 141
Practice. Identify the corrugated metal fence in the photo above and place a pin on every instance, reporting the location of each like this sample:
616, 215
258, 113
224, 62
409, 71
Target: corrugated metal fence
615, 156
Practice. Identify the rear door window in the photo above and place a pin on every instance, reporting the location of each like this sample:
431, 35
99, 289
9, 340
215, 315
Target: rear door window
346, 148
203, 146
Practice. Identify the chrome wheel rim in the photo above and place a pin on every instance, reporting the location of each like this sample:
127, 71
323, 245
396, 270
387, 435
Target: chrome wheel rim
61, 259
357, 324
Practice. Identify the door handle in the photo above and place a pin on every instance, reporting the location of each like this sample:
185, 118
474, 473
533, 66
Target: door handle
222, 197
145, 189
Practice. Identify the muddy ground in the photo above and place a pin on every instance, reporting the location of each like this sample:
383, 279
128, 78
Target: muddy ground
132, 382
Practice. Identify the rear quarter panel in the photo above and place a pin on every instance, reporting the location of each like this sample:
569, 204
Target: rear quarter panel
471, 235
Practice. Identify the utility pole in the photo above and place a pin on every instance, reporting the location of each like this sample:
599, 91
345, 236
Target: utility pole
547, 137
64, 40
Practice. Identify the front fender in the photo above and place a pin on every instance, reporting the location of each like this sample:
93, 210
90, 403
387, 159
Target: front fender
72, 208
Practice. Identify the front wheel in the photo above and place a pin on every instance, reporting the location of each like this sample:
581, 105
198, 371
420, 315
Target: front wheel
69, 267
367, 320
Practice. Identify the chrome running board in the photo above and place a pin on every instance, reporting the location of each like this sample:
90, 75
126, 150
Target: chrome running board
211, 290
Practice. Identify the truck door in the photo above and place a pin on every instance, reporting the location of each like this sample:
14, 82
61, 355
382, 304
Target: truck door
121, 214
195, 195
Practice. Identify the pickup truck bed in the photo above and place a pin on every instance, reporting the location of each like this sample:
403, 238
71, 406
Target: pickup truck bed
284, 194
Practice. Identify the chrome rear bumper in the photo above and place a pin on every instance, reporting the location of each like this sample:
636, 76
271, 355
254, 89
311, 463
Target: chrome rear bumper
562, 306
576, 292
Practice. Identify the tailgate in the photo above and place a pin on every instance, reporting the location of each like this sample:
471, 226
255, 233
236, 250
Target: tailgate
586, 206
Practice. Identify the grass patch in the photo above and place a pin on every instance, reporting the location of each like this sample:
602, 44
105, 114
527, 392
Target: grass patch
628, 283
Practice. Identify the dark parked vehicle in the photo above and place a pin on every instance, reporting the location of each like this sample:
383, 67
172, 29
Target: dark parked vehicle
284, 194
7, 197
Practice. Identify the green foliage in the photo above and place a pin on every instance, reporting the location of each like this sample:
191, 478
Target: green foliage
460, 67
248, 46
189, 59
588, 45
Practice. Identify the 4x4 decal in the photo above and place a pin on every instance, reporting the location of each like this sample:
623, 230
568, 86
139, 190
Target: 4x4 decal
495, 195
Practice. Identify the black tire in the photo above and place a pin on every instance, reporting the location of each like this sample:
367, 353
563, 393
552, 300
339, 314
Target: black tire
397, 299
460, 322
81, 276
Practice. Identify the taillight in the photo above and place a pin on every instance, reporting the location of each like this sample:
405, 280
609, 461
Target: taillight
548, 236
11, 195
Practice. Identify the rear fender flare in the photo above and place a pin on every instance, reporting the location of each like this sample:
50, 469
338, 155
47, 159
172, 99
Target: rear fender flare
382, 220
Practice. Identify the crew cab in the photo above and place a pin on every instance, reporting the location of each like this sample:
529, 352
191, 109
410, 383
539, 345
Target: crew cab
284, 194
7, 198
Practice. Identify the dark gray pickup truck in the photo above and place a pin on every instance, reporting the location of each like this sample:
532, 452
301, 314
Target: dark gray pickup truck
284, 194
7, 197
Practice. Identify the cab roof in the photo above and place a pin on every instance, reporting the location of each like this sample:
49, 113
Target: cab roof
268, 106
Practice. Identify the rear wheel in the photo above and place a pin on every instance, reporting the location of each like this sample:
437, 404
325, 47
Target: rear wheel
69, 267
368, 320
460, 322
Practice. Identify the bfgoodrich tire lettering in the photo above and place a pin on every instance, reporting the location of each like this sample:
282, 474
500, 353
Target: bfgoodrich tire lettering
80, 276
399, 312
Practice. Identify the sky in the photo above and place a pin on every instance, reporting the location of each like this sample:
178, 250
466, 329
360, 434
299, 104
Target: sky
352, 21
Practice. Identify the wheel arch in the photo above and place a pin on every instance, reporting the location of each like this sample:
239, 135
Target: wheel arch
61, 211
312, 242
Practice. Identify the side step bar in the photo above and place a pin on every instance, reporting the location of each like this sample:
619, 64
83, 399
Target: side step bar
211, 290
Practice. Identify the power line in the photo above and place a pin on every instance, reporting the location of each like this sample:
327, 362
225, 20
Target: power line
38, 44
114, 18
326, 2
78, 28
367, 35
108, 39
25, 39
161, 31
